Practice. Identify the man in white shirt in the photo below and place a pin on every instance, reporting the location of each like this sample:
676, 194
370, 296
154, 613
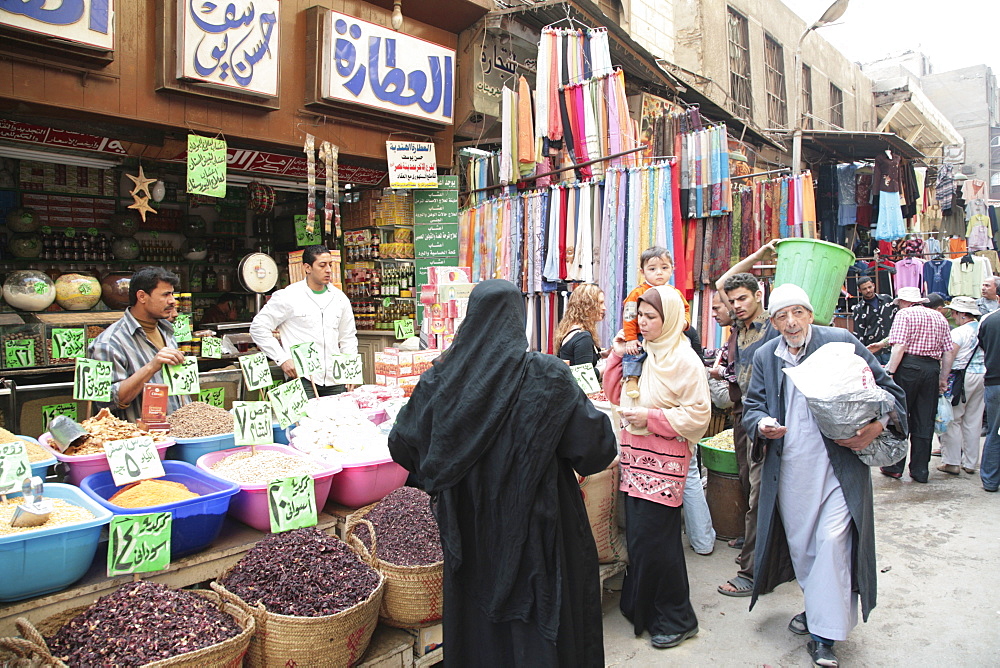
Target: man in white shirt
309, 310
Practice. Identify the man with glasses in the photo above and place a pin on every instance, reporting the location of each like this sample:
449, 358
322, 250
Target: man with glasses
815, 508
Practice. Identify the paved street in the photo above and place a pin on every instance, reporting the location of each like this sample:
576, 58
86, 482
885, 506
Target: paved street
938, 548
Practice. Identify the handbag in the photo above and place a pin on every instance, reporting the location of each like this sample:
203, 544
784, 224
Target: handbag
956, 382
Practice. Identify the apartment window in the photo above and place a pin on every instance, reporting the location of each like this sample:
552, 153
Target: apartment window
836, 107
807, 97
774, 79
739, 64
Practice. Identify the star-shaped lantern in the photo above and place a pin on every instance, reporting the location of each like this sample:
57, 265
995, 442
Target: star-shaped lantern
141, 201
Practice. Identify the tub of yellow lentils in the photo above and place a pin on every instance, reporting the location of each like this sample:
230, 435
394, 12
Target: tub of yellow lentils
47, 558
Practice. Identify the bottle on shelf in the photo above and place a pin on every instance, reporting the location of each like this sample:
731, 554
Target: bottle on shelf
211, 279
195, 280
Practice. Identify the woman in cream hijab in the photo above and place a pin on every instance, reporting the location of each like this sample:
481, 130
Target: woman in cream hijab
662, 428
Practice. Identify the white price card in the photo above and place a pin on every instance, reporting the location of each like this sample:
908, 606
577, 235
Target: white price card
132, 459
346, 369
586, 378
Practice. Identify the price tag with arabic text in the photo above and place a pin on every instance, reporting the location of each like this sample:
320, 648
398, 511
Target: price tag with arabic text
19, 353
132, 459
211, 346
307, 360
69, 343
52, 410
586, 378
346, 369
291, 503
404, 328
92, 380
182, 327
213, 396
289, 402
256, 371
252, 422
182, 378
139, 543
14, 466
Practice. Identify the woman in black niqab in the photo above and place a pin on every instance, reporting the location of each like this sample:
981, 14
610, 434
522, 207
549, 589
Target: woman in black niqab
494, 434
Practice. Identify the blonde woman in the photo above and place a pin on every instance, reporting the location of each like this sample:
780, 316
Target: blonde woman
576, 336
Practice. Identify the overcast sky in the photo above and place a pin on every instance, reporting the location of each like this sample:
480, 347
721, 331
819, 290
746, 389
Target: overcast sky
952, 34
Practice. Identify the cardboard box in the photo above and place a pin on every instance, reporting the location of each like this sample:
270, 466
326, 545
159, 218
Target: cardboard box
427, 639
393, 363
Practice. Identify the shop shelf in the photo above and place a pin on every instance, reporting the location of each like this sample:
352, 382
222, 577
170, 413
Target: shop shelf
48, 560
196, 522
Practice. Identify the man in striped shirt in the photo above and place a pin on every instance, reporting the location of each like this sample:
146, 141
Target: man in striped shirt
922, 354
141, 342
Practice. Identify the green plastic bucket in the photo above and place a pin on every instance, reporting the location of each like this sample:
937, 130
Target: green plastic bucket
718, 460
819, 268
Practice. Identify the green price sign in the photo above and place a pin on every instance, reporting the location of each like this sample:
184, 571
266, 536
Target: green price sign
52, 410
302, 236
70, 232
211, 346
586, 378
92, 231
182, 378
252, 420
139, 543
256, 372
213, 396
182, 327
132, 459
346, 369
69, 343
92, 380
292, 503
206, 166
14, 465
288, 401
46, 229
307, 360
19, 353
404, 328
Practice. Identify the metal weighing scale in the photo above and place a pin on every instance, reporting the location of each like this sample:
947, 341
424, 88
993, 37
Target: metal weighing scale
259, 274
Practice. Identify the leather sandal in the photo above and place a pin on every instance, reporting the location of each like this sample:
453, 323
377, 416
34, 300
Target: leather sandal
741, 586
798, 625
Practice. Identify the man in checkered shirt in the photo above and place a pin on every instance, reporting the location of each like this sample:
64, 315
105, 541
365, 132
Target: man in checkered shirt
922, 354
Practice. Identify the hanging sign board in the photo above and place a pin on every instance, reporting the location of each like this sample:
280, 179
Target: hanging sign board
86, 22
230, 45
292, 503
374, 66
206, 166
92, 380
412, 164
304, 237
139, 543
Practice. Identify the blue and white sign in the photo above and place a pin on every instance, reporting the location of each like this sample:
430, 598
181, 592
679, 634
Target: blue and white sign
374, 66
230, 44
87, 22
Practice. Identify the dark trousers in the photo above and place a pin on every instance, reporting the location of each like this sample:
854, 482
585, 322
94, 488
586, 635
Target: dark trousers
918, 377
324, 390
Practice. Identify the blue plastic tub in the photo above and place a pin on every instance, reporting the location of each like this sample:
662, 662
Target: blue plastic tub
47, 560
41, 468
280, 434
196, 522
190, 449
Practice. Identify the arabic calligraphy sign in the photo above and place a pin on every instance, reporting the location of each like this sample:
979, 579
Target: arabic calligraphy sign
363, 63
206, 166
131, 459
412, 164
87, 22
292, 503
139, 543
231, 45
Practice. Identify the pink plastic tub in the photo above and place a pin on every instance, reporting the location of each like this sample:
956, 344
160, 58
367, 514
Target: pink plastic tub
79, 467
250, 503
360, 484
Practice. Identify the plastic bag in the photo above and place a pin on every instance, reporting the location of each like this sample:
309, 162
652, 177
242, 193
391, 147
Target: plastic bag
832, 371
944, 415
885, 450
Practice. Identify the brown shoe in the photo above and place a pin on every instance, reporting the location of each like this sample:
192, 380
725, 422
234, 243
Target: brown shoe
632, 387
953, 469
969, 471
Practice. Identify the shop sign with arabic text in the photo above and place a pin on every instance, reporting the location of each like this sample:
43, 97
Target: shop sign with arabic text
86, 22
232, 44
375, 66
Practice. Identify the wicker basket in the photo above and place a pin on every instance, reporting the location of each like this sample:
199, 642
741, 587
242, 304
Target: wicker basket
331, 640
414, 595
20, 653
226, 654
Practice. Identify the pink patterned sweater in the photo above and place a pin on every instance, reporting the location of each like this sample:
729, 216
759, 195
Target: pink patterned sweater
653, 467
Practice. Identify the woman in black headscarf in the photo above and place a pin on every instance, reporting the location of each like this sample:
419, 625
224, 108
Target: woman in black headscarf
494, 434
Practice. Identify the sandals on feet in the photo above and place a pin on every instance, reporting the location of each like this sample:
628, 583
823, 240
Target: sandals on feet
741, 586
